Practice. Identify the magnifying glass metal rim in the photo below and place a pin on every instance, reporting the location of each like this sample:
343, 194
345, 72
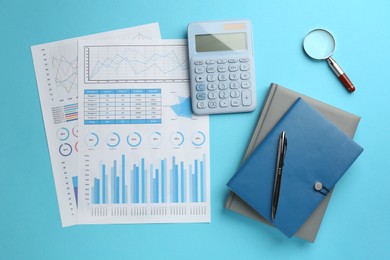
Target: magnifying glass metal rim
333, 40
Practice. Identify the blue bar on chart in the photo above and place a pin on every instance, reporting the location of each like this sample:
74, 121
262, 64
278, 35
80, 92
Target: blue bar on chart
202, 180
135, 186
138, 180
114, 184
75, 187
96, 191
124, 186
154, 185
198, 181
183, 183
143, 182
104, 184
163, 171
174, 176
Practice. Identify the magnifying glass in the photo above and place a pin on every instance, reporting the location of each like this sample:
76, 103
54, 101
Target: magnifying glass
319, 44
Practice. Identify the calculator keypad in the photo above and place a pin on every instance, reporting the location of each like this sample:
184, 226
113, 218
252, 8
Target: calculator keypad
222, 85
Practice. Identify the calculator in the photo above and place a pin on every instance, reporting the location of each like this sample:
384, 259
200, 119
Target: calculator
222, 73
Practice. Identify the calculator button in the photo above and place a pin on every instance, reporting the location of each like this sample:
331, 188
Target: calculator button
212, 95
211, 61
212, 86
245, 84
200, 87
199, 78
201, 95
223, 85
233, 67
234, 85
244, 59
221, 61
244, 67
213, 104
221, 68
199, 70
233, 76
224, 103
235, 102
235, 93
224, 94
198, 62
245, 75
233, 60
210, 69
201, 104
211, 77
222, 76
246, 97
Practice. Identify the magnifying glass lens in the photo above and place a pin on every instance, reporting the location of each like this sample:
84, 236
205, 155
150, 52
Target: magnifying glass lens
319, 44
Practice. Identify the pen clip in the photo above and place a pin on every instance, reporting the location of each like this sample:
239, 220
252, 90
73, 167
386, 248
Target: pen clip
283, 149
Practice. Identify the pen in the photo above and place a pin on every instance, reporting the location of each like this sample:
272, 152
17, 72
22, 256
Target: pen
282, 148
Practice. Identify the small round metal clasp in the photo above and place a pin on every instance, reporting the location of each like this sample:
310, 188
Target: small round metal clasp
318, 186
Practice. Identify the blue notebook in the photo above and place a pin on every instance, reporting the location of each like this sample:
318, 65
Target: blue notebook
317, 152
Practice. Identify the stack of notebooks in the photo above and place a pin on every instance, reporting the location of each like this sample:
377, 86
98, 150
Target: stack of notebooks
320, 150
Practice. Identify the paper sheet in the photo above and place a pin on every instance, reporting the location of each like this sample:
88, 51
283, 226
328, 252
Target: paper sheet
57, 78
144, 157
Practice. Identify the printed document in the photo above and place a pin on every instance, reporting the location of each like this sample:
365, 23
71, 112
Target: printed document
143, 156
57, 79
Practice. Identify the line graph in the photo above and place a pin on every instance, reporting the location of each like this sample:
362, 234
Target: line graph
65, 75
142, 36
135, 63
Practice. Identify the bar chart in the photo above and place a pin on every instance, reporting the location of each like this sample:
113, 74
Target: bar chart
126, 181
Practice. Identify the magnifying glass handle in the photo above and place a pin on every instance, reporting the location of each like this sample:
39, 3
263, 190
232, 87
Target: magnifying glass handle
341, 75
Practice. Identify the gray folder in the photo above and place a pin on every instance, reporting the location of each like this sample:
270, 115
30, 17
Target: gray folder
278, 101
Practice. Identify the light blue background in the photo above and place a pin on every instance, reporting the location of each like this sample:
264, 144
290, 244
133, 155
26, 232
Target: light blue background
357, 222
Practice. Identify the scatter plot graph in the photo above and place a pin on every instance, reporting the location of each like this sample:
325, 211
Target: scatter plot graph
136, 63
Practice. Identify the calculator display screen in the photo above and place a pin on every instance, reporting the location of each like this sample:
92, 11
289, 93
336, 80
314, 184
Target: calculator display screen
221, 42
